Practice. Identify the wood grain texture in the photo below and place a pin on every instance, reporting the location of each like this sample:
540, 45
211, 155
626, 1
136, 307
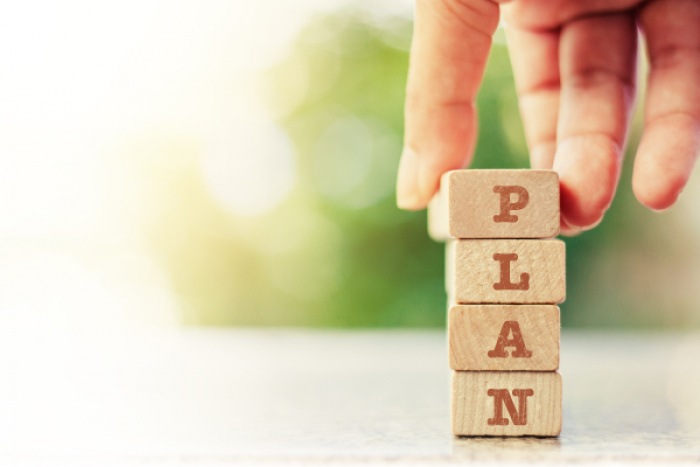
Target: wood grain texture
449, 268
507, 271
480, 403
495, 204
503, 337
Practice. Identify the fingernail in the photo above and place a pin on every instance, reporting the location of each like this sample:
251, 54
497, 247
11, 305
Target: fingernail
572, 229
407, 185
593, 225
570, 233
542, 156
564, 158
567, 230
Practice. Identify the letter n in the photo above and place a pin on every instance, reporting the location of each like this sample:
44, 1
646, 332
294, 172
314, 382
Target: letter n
501, 397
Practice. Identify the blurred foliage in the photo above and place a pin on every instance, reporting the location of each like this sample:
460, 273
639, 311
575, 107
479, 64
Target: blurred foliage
338, 252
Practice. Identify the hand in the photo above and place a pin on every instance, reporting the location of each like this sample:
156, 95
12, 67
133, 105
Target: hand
575, 67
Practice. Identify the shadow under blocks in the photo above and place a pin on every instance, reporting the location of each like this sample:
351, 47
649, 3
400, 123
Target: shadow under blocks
505, 275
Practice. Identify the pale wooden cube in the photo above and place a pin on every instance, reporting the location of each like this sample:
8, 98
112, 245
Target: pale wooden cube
503, 337
449, 267
506, 403
495, 204
507, 271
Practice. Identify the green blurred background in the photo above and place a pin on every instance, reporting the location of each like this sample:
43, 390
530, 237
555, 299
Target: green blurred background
212, 182
359, 261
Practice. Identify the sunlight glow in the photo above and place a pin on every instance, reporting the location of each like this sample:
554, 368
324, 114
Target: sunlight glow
343, 156
251, 169
83, 84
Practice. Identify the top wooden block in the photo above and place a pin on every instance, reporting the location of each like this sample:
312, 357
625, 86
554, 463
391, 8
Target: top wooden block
495, 204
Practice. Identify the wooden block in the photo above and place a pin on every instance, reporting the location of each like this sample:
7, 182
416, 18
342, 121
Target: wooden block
503, 337
507, 271
449, 268
495, 204
506, 403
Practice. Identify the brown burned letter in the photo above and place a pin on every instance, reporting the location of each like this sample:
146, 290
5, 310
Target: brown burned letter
505, 283
517, 341
501, 397
507, 206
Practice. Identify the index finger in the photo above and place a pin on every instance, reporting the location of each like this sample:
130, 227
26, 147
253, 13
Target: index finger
451, 43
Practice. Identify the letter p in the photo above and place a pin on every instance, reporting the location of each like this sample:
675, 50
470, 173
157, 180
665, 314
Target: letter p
507, 206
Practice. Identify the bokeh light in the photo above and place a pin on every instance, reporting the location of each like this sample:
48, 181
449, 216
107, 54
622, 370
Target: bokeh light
233, 163
251, 169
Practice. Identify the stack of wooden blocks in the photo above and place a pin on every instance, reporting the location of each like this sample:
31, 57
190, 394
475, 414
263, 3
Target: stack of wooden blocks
504, 274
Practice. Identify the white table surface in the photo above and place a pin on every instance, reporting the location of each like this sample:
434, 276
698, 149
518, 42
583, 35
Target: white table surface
219, 397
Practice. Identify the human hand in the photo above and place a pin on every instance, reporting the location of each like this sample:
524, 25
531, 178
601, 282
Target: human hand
575, 67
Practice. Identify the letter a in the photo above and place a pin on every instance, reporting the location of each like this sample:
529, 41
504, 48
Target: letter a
505, 283
501, 398
517, 342
507, 206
